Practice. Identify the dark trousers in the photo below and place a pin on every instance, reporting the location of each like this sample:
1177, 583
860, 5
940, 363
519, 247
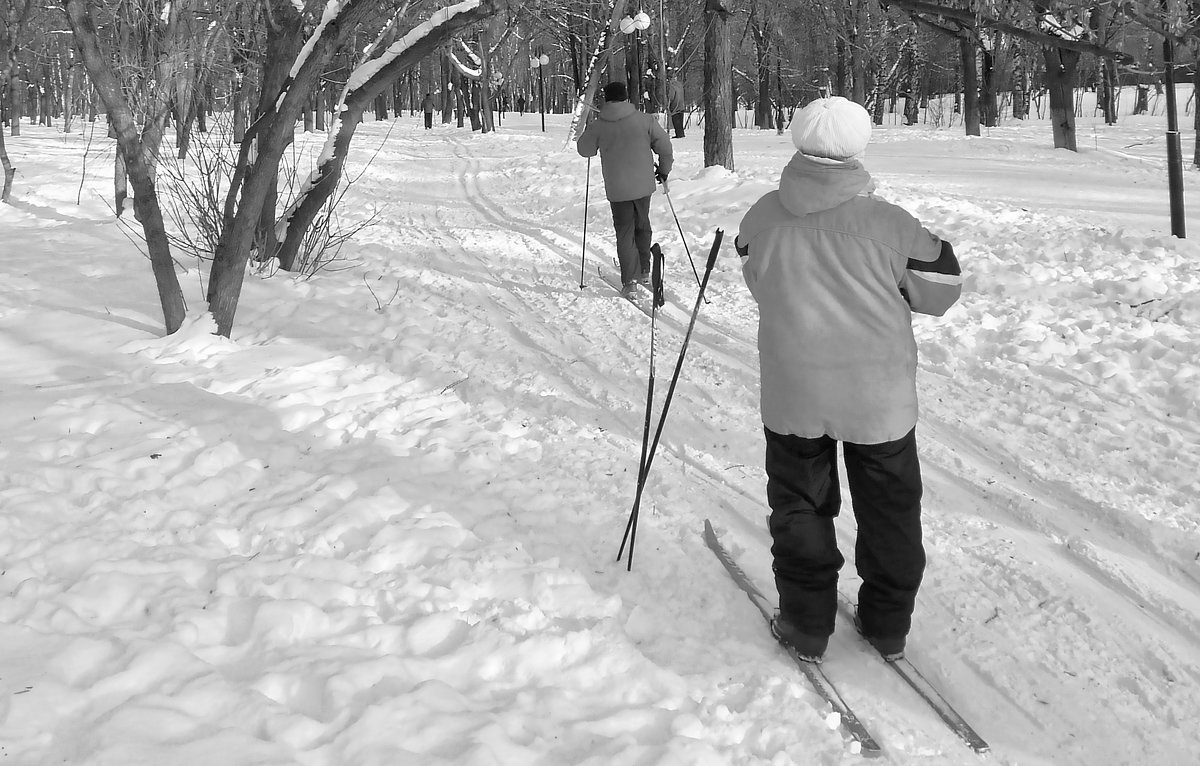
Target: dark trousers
677, 123
428, 120
631, 220
804, 495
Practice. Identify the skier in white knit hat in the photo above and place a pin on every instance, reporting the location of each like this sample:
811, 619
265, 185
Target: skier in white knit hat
837, 273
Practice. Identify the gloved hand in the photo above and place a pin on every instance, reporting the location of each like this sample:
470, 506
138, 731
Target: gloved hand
659, 176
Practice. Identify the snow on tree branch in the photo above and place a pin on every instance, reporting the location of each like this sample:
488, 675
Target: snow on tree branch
1067, 29
414, 35
473, 74
332, 9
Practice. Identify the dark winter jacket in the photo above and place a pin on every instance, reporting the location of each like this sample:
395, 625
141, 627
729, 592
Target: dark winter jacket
675, 103
627, 141
836, 273
427, 105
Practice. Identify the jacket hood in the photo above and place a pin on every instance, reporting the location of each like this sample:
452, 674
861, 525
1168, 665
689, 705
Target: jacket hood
616, 110
810, 185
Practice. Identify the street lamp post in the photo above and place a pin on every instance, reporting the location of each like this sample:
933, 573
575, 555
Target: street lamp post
539, 63
632, 25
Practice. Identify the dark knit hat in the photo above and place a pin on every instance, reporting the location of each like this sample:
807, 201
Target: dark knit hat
615, 91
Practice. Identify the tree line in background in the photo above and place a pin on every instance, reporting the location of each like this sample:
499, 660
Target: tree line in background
226, 84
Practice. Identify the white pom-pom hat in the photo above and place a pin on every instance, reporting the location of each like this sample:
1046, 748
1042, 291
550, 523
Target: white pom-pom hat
833, 128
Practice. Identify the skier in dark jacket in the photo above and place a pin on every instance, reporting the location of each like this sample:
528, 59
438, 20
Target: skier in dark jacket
837, 273
627, 141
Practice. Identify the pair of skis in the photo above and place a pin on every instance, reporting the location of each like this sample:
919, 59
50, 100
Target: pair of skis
860, 737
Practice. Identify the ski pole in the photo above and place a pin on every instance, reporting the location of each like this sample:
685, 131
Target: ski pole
656, 276
644, 468
587, 187
658, 300
682, 239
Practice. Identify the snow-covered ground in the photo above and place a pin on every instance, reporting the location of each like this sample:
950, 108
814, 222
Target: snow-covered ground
380, 524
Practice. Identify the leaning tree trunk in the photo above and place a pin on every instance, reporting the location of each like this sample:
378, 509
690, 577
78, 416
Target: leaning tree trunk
970, 79
320, 188
140, 152
718, 87
601, 56
1060, 77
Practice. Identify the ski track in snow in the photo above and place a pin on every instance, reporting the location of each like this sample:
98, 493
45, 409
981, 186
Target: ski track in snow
381, 524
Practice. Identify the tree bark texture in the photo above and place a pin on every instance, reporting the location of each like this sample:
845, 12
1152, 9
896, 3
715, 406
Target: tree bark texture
970, 85
718, 87
1061, 65
989, 109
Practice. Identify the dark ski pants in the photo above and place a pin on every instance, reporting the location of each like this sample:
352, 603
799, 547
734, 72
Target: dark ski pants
631, 219
428, 120
804, 495
677, 123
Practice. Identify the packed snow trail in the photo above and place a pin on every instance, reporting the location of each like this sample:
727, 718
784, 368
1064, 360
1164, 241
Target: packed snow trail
1060, 565
380, 524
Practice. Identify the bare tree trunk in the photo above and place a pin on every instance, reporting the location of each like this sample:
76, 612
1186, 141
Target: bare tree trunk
120, 183
9, 171
762, 53
17, 99
139, 152
1060, 77
988, 106
1108, 97
970, 84
449, 97
913, 90
718, 87
1195, 117
485, 78
241, 104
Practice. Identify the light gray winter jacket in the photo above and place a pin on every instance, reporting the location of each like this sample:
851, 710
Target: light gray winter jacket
627, 141
836, 273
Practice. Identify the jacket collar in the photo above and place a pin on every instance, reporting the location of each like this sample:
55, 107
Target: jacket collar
616, 110
810, 184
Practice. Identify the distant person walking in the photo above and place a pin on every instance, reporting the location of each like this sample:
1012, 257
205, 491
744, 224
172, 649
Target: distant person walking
837, 273
627, 141
676, 106
428, 107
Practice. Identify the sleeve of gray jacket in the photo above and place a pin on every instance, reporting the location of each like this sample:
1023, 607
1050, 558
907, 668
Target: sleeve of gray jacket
588, 144
660, 143
932, 281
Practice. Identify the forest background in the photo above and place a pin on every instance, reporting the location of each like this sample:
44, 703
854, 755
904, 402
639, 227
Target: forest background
234, 81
